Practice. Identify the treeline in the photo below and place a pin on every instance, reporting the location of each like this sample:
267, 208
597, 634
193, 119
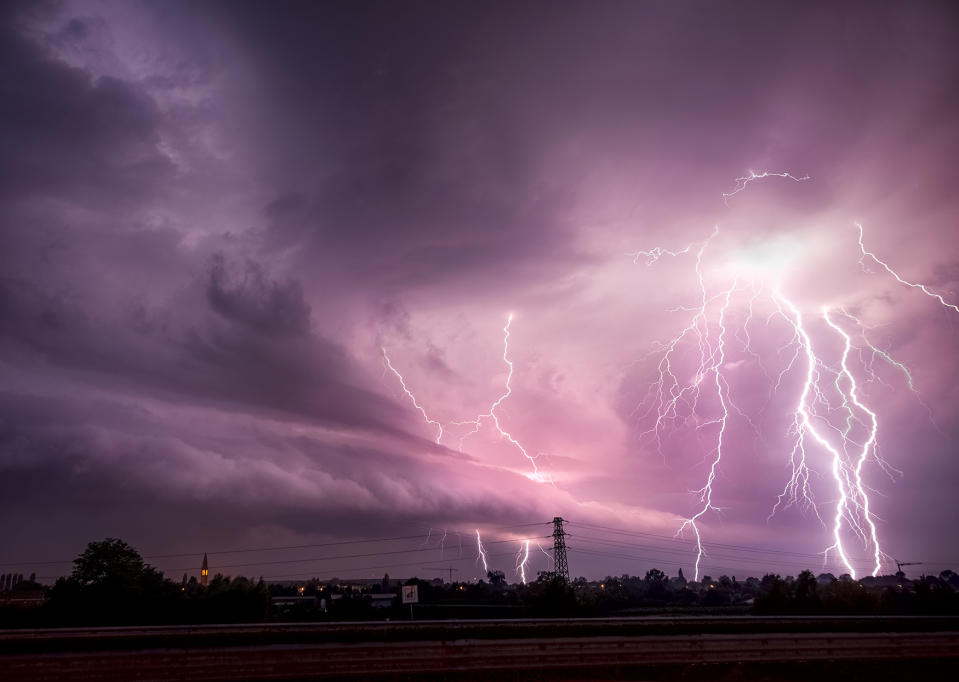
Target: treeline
654, 592
112, 585
805, 594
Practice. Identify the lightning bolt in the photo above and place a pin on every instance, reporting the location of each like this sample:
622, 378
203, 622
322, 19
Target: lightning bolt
658, 252
489, 416
521, 559
722, 393
746, 179
867, 446
806, 426
922, 287
797, 490
549, 557
868, 363
826, 392
481, 552
669, 394
409, 394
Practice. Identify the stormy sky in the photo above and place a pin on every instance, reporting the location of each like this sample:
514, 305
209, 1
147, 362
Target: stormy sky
216, 217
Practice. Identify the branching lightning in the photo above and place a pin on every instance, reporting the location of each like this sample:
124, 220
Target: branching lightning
746, 179
705, 493
862, 503
490, 415
830, 416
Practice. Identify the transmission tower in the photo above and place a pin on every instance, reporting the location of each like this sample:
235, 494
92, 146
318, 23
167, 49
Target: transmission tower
560, 567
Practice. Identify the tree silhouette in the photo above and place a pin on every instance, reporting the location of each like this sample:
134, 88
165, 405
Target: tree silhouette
111, 562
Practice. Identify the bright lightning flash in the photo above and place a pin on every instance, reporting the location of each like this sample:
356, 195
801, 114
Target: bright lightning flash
827, 390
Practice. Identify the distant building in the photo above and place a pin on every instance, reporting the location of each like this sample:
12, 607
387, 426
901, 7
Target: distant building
204, 572
8, 581
679, 582
884, 581
17, 592
382, 600
293, 600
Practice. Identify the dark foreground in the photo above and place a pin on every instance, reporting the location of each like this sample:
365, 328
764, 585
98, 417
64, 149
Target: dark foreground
726, 648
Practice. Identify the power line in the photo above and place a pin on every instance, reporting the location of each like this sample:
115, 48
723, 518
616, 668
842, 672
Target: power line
709, 566
269, 549
706, 556
355, 556
670, 538
290, 576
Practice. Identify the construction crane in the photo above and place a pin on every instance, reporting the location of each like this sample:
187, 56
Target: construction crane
450, 570
900, 564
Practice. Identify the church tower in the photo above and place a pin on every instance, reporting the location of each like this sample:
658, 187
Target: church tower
204, 572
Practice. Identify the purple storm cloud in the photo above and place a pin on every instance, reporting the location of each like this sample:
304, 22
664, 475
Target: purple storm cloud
220, 218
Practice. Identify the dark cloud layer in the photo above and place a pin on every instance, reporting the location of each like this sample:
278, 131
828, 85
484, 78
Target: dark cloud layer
66, 134
215, 217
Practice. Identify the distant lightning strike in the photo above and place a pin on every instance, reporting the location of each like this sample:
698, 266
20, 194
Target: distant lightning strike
481, 554
825, 390
488, 416
522, 558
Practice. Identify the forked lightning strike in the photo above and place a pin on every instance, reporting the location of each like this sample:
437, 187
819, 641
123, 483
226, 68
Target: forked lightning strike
521, 560
826, 390
866, 449
477, 423
488, 416
717, 359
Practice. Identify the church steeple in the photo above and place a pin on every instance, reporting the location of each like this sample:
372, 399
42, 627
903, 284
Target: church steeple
204, 571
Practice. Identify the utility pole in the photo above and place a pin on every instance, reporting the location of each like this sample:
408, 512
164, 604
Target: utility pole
560, 567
